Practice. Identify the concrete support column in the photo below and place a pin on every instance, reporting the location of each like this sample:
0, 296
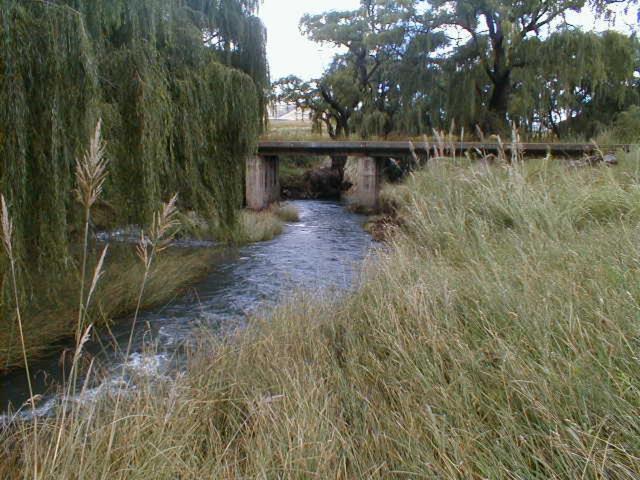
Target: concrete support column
365, 192
262, 182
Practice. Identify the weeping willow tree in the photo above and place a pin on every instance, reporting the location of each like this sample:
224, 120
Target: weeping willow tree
180, 85
577, 82
411, 66
48, 99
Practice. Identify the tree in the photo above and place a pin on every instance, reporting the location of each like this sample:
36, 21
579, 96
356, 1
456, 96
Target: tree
360, 88
331, 100
411, 66
576, 82
180, 87
498, 32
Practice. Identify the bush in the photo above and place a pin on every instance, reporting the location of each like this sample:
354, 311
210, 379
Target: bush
627, 125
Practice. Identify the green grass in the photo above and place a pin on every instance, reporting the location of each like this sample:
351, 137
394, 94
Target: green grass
292, 130
287, 213
298, 165
265, 225
496, 337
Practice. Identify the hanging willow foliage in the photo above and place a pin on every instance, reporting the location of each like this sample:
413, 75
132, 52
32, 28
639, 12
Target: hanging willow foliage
48, 91
178, 83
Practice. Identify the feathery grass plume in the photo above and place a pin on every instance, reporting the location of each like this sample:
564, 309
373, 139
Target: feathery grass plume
427, 146
164, 225
162, 232
451, 141
517, 151
414, 156
597, 149
440, 143
481, 137
502, 155
7, 233
91, 172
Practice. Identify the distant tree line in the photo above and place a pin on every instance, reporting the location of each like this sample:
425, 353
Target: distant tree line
411, 66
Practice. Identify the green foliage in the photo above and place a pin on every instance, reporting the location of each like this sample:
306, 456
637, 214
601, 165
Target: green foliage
179, 85
48, 95
577, 82
627, 125
359, 92
403, 69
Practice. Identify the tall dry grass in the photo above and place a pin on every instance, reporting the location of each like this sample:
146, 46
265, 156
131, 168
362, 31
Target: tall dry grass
497, 337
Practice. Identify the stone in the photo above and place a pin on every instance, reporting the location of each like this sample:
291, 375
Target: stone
595, 159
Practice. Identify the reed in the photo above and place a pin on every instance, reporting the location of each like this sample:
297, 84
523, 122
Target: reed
7, 242
162, 231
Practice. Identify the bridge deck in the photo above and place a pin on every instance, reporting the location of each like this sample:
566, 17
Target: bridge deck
383, 149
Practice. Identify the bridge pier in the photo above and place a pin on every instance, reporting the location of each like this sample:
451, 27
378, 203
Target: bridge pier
262, 181
367, 184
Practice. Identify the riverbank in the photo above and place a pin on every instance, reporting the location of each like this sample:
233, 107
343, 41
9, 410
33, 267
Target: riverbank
495, 338
51, 316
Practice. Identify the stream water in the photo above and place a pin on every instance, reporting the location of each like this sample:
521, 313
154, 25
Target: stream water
322, 254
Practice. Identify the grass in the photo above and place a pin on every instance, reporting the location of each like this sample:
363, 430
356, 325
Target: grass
293, 167
53, 317
496, 337
292, 130
287, 213
265, 225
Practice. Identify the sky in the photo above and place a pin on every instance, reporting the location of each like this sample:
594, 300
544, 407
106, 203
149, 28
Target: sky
290, 53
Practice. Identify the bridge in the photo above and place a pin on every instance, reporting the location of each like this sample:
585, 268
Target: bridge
263, 185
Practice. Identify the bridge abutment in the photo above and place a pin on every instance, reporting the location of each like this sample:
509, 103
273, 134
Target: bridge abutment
367, 183
262, 181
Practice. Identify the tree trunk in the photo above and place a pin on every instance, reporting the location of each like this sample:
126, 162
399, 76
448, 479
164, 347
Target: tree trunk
499, 104
342, 126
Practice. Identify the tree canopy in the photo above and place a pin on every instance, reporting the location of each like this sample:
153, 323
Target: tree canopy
413, 65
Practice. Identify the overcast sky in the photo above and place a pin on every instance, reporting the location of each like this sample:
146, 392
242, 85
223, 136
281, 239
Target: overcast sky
291, 53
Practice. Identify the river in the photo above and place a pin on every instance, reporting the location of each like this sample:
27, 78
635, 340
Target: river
322, 254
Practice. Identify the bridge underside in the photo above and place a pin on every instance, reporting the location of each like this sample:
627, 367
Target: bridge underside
263, 185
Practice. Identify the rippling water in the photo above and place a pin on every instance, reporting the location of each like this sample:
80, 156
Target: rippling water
322, 253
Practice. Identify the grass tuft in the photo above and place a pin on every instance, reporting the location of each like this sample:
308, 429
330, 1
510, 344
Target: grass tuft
287, 213
265, 225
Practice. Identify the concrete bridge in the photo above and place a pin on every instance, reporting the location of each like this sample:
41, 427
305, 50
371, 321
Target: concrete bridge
262, 176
